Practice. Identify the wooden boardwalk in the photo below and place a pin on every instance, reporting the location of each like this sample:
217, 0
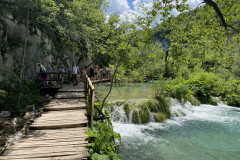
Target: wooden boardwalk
59, 133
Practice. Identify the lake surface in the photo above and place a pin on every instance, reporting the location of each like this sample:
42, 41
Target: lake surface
206, 132
127, 91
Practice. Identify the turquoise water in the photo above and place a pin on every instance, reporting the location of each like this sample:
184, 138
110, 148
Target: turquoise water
206, 132
126, 91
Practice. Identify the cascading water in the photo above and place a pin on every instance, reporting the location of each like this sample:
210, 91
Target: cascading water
202, 132
193, 132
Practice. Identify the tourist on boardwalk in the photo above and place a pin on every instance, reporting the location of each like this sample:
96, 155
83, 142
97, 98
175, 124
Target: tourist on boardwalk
98, 73
91, 72
83, 75
101, 73
104, 73
43, 71
95, 72
61, 70
75, 72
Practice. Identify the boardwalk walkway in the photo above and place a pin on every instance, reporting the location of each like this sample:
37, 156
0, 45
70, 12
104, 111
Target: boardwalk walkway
59, 133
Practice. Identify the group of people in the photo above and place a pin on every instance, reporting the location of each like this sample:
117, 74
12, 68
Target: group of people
97, 73
74, 71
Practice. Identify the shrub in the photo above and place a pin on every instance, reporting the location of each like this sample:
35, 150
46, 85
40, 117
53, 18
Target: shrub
181, 92
103, 141
200, 90
233, 100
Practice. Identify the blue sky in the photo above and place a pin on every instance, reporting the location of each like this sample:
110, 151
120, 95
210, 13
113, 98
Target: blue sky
130, 4
129, 8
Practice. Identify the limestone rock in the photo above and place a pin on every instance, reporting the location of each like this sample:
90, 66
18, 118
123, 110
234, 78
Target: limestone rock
5, 114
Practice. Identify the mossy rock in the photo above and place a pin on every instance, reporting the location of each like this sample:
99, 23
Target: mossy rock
119, 103
144, 113
194, 101
213, 101
135, 117
153, 105
159, 117
126, 108
164, 105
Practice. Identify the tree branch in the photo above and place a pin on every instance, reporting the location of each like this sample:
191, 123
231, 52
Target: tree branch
213, 4
115, 71
99, 52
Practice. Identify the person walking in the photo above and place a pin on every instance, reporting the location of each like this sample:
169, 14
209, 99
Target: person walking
75, 72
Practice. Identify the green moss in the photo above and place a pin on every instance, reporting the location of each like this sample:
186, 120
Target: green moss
119, 103
153, 105
159, 117
164, 103
194, 101
144, 113
126, 108
213, 101
135, 117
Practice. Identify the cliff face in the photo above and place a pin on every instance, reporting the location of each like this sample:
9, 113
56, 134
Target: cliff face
160, 37
39, 48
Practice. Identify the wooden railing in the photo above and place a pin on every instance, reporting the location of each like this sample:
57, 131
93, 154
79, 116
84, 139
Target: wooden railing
54, 77
90, 91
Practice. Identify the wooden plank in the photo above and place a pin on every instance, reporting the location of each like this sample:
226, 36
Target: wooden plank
70, 125
80, 136
67, 101
53, 144
44, 155
47, 141
68, 157
70, 95
65, 107
60, 121
61, 131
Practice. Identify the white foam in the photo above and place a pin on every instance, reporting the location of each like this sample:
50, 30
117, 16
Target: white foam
186, 112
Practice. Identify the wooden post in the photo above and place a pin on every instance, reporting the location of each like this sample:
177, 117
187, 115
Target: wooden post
90, 90
92, 108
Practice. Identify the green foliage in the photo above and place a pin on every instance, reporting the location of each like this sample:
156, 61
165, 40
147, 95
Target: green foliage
233, 100
200, 90
9, 90
144, 113
135, 117
181, 92
159, 117
165, 104
103, 145
152, 105
200, 87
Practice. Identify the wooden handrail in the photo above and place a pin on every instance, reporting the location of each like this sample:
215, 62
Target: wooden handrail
90, 84
55, 79
90, 89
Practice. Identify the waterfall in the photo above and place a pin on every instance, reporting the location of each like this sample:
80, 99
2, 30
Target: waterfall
118, 114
